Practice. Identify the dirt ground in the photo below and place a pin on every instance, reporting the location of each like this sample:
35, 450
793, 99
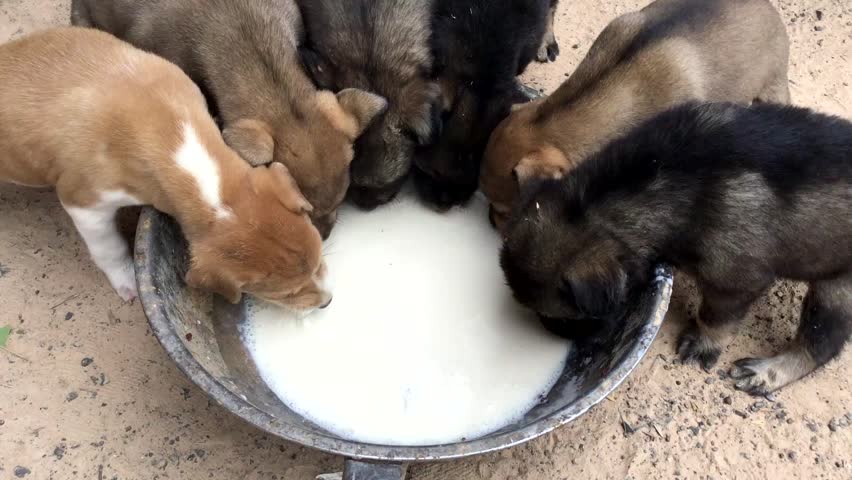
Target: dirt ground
97, 398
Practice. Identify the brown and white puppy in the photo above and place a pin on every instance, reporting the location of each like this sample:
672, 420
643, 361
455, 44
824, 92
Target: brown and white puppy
669, 52
736, 196
380, 46
244, 55
480, 46
549, 49
112, 126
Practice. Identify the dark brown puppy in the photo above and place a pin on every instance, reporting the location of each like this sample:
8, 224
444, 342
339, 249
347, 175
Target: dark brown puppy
243, 54
480, 47
381, 46
644, 62
735, 196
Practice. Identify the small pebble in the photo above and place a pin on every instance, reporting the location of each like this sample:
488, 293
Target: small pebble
71, 396
728, 400
819, 15
791, 455
21, 472
819, 28
789, 421
59, 452
69, 316
86, 362
709, 380
740, 413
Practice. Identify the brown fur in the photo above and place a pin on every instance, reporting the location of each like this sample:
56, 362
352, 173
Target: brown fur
244, 56
88, 114
670, 52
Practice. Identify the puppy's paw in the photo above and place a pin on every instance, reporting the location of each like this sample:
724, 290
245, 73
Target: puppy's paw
547, 52
552, 51
761, 376
123, 280
693, 347
753, 375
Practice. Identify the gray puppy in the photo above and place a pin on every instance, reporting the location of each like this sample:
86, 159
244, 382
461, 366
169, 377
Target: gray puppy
382, 46
244, 56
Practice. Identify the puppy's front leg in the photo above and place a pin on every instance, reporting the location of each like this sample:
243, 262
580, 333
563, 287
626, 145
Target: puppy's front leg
720, 314
96, 224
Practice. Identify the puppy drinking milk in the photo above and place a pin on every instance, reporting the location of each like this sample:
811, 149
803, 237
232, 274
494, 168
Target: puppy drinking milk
244, 55
480, 46
111, 126
667, 53
381, 46
736, 196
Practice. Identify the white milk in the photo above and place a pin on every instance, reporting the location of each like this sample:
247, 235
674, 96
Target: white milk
422, 344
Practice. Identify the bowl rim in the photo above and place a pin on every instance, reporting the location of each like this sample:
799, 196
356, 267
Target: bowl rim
153, 307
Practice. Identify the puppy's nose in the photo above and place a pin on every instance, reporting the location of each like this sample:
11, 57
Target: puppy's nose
326, 304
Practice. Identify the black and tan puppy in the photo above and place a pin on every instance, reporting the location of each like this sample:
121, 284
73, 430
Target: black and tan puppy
735, 196
644, 62
244, 56
480, 46
381, 46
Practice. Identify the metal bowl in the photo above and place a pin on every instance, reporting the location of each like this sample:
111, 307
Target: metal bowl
199, 332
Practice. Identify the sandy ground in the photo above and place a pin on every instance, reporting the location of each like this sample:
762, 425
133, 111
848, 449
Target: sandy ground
97, 397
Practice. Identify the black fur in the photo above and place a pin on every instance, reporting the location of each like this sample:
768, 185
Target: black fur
737, 196
479, 46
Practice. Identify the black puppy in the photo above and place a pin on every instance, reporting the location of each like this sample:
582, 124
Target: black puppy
479, 46
735, 196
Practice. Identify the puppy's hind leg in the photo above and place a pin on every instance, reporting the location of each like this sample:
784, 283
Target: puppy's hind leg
549, 49
96, 224
776, 91
825, 326
720, 314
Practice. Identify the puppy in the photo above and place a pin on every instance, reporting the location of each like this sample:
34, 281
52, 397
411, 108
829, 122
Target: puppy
735, 196
480, 46
244, 56
549, 49
110, 126
381, 46
669, 52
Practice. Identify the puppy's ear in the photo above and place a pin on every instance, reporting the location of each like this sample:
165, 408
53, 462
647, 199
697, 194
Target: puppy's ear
287, 190
548, 162
219, 282
317, 68
599, 294
251, 139
363, 106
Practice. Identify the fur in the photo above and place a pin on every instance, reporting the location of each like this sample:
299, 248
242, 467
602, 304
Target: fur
380, 46
735, 196
244, 56
110, 126
670, 52
549, 49
480, 47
